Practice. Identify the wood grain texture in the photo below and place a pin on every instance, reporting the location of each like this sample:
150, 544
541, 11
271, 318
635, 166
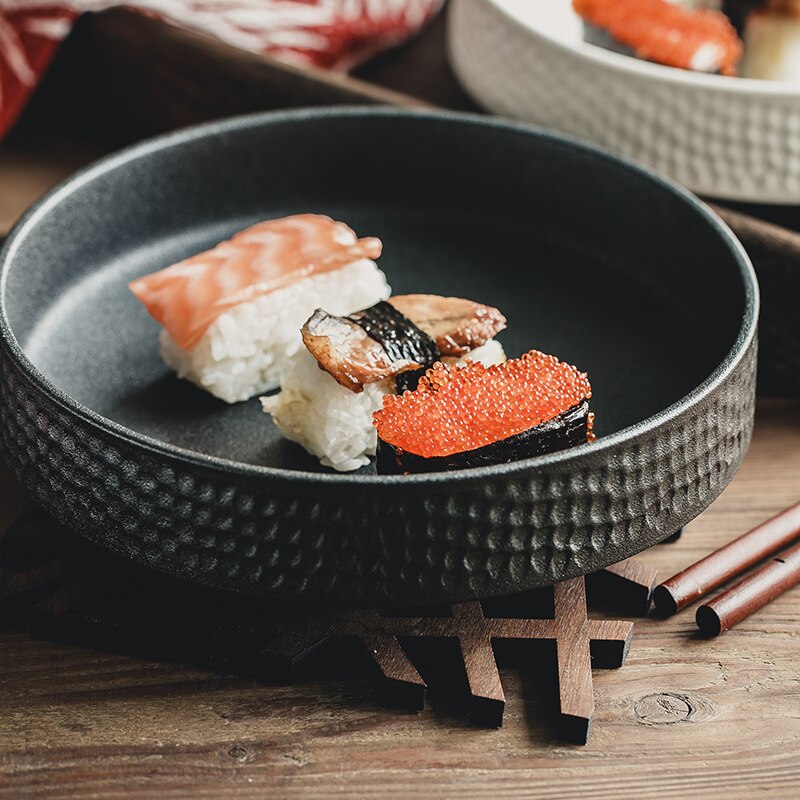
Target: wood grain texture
580, 642
76, 593
717, 719
730, 561
575, 693
745, 598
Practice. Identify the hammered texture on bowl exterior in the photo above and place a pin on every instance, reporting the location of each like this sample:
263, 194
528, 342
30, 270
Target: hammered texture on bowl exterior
732, 141
370, 543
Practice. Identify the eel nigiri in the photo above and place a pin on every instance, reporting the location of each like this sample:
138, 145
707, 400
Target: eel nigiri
474, 415
231, 316
331, 388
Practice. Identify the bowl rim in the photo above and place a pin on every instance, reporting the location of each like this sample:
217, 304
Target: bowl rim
50, 201
636, 67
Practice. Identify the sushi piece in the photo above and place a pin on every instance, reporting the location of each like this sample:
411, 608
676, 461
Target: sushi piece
473, 415
405, 335
331, 388
772, 41
656, 30
231, 316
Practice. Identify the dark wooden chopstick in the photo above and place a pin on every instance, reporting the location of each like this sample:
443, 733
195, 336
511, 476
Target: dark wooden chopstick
712, 571
748, 596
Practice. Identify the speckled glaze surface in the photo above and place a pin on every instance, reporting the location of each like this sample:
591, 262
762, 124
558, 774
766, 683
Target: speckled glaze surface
732, 138
273, 529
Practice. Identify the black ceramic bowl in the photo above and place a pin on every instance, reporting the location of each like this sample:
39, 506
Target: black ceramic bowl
590, 258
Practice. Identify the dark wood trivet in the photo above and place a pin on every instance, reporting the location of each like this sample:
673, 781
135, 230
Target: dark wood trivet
580, 644
81, 595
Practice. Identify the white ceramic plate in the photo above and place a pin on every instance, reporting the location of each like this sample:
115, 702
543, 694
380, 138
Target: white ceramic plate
732, 138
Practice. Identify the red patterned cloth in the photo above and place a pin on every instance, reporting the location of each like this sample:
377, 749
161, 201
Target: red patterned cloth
336, 34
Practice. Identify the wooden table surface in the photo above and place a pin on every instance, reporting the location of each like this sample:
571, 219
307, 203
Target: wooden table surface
683, 717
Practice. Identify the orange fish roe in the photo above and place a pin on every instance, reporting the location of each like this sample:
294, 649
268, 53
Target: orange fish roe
460, 408
657, 30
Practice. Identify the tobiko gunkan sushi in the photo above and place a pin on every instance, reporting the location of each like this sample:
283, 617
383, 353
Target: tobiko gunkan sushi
330, 389
231, 316
474, 415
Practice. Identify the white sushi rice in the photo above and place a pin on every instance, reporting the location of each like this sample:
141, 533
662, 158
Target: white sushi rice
244, 351
331, 422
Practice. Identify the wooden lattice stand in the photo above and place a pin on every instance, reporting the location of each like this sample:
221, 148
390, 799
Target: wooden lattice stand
81, 595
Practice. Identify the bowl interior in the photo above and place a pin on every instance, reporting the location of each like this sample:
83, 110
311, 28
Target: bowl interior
589, 259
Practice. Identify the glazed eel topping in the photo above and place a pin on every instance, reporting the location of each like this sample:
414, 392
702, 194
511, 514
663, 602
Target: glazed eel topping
400, 338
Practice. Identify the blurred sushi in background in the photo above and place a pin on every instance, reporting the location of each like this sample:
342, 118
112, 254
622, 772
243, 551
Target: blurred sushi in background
231, 316
332, 386
684, 35
749, 38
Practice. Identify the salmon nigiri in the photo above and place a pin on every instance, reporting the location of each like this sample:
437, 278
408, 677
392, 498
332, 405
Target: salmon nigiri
231, 316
